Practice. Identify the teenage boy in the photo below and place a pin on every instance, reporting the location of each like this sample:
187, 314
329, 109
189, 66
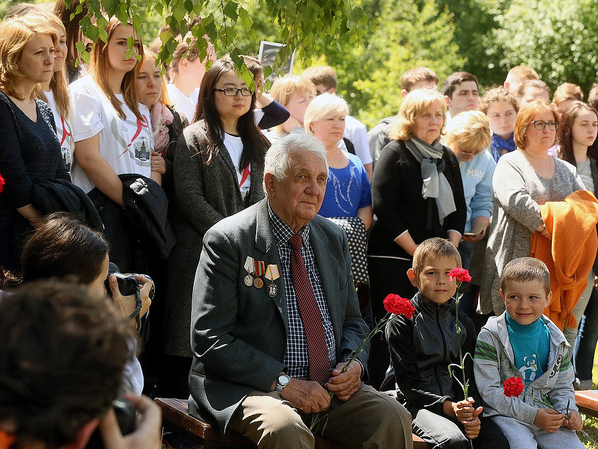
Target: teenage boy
423, 347
524, 343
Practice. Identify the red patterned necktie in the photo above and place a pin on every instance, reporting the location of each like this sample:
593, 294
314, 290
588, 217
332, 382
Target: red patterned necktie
319, 368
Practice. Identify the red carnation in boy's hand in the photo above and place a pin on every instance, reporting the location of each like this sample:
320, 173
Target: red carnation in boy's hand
461, 274
513, 387
397, 305
1, 183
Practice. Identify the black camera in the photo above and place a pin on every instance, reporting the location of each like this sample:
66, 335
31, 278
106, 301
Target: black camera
126, 415
127, 284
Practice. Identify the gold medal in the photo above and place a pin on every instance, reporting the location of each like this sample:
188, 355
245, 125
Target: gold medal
258, 283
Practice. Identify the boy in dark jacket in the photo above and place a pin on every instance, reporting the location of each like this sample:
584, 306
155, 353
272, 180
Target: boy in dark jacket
423, 347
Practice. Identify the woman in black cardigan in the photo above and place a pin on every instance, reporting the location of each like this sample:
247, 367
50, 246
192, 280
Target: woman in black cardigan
409, 210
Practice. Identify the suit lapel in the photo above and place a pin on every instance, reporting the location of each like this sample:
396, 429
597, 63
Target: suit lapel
325, 263
266, 244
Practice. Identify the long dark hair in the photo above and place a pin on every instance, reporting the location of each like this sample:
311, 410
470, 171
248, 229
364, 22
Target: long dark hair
254, 142
565, 132
63, 247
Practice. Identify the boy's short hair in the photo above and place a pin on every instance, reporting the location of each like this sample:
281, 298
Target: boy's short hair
324, 75
416, 75
498, 95
526, 269
434, 247
567, 91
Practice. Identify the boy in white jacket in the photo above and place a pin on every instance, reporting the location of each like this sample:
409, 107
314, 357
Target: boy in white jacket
523, 343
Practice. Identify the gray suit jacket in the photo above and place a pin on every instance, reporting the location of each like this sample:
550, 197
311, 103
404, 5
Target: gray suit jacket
239, 333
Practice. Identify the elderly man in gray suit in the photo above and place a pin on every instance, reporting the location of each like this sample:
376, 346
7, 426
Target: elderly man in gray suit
276, 317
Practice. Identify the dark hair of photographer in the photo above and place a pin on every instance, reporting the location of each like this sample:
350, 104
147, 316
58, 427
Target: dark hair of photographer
62, 246
61, 361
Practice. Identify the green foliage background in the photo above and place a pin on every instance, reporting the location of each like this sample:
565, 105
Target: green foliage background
372, 42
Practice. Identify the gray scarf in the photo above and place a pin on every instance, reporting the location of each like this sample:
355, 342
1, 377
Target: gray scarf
435, 185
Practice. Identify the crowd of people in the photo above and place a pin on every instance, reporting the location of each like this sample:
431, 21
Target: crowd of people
264, 231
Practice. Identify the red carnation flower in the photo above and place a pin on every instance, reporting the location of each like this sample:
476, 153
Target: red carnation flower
513, 386
461, 274
399, 306
1, 183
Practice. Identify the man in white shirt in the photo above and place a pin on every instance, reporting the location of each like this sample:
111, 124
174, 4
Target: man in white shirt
186, 72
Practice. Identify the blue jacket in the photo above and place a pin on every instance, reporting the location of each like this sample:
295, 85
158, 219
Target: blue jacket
477, 186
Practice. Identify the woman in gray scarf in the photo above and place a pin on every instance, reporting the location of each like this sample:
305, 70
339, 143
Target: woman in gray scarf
417, 194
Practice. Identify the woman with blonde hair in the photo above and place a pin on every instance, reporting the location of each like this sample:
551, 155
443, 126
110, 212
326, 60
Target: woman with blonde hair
30, 149
294, 92
408, 210
348, 197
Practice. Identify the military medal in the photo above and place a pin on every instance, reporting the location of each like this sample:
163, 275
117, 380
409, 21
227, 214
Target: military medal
272, 274
248, 279
258, 270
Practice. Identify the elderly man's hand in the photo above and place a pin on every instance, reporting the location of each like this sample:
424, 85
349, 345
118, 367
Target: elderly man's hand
344, 385
306, 395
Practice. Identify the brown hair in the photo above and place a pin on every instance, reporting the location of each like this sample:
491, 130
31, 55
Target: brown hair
593, 96
454, 80
58, 83
538, 84
526, 269
324, 75
523, 73
99, 68
434, 247
284, 87
73, 29
564, 135
416, 75
414, 105
498, 95
62, 357
526, 115
567, 91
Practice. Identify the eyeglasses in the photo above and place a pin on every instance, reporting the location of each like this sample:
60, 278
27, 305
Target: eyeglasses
541, 124
234, 91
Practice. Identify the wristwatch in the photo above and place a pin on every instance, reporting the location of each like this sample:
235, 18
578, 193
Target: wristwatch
282, 381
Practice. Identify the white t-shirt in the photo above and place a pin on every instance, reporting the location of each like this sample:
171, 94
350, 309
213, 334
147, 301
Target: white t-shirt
125, 144
234, 145
64, 131
357, 133
184, 104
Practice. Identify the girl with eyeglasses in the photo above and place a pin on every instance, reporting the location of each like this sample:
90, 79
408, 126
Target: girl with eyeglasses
217, 172
577, 145
524, 180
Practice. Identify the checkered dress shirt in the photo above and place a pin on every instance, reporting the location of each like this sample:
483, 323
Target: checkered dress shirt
296, 358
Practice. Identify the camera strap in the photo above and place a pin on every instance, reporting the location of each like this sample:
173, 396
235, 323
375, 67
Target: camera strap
135, 314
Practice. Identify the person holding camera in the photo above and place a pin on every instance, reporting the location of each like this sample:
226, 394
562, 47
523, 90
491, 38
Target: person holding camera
67, 347
63, 247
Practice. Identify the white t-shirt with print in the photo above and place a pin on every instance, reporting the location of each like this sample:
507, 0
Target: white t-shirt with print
125, 144
234, 145
64, 131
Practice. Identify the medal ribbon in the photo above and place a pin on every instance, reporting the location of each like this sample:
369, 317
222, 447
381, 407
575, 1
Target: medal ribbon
272, 272
249, 264
258, 268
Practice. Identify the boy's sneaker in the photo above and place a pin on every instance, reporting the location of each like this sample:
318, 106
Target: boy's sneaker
582, 384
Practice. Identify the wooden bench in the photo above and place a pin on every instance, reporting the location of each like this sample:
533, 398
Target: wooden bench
198, 434
587, 402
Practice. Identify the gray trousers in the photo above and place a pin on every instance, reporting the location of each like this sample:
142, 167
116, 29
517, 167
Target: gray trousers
522, 436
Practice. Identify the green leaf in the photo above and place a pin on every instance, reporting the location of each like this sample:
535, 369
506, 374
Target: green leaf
111, 6
230, 10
